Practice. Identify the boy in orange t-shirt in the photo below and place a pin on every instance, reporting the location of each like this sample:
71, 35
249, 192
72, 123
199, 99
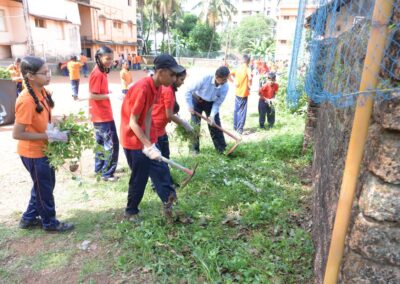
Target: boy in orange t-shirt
138, 60
242, 81
267, 95
33, 130
126, 77
74, 68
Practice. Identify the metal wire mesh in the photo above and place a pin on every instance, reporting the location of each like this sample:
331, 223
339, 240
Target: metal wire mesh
331, 45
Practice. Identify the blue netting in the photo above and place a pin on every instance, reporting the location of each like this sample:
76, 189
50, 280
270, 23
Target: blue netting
331, 44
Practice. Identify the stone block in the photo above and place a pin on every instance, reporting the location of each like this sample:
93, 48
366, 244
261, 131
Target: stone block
380, 200
386, 161
387, 113
377, 241
358, 270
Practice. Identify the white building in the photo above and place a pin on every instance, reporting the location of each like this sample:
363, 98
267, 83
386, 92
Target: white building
246, 8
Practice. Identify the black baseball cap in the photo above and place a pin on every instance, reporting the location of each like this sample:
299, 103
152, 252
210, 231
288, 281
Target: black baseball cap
166, 61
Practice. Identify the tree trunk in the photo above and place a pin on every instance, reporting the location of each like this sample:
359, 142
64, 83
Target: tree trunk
168, 38
155, 32
211, 42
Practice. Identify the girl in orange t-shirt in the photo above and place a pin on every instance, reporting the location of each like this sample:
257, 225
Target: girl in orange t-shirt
34, 130
102, 116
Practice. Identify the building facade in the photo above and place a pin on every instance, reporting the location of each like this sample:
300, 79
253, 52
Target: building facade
245, 8
111, 23
47, 28
286, 26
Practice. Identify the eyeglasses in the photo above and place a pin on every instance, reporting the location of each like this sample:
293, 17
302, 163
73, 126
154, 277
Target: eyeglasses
48, 73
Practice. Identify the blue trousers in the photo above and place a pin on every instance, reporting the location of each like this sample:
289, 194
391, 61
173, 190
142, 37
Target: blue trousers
265, 109
85, 69
106, 136
163, 145
239, 114
141, 169
200, 105
75, 87
41, 202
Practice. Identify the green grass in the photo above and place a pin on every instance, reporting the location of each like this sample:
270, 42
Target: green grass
237, 235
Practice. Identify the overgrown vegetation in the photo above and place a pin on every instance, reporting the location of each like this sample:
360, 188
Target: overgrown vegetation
4, 73
225, 232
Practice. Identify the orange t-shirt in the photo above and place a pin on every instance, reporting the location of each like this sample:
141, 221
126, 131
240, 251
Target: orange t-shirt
269, 91
138, 59
14, 72
100, 111
126, 78
74, 68
83, 59
242, 80
139, 99
25, 113
129, 58
159, 116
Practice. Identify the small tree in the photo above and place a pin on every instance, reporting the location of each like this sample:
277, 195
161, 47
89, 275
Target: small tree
200, 37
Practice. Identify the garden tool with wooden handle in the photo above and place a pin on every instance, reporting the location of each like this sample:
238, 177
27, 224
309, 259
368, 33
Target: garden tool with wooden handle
237, 139
189, 172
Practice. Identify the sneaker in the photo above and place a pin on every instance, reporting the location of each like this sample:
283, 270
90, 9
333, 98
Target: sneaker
110, 179
24, 224
60, 228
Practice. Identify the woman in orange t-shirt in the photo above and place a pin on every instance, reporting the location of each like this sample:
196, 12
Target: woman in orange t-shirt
34, 130
102, 116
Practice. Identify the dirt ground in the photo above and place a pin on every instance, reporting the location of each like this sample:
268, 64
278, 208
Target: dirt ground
15, 180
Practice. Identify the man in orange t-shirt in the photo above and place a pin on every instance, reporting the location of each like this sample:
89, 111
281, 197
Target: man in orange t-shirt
242, 76
15, 73
74, 68
267, 95
138, 137
138, 60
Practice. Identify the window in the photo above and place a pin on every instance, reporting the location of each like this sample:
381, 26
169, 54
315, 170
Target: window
283, 41
3, 26
117, 25
286, 17
59, 31
40, 23
102, 27
129, 2
130, 27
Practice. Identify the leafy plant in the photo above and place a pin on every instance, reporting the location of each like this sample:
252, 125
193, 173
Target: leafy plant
80, 138
4, 73
183, 136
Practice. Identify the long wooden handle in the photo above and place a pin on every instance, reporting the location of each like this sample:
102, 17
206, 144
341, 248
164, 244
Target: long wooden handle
176, 165
217, 126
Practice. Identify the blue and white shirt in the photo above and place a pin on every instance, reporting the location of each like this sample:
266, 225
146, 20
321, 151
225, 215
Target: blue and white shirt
206, 89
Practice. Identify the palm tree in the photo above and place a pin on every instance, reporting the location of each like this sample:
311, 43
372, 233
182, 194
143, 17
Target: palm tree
164, 9
213, 12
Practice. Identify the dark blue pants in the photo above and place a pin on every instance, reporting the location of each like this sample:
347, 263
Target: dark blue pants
85, 69
19, 88
106, 136
239, 114
41, 202
141, 169
75, 88
129, 65
265, 109
200, 105
163, 145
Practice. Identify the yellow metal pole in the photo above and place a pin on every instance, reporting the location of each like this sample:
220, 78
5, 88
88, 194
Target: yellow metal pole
375, 50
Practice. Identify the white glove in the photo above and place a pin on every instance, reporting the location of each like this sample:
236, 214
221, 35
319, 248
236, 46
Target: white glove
55, 135
152, 152
187, 126
212, 120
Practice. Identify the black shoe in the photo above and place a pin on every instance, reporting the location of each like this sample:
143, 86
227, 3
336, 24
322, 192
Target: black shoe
60, 228
262, 127
24, 224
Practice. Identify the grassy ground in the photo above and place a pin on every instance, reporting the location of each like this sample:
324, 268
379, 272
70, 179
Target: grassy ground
226, 232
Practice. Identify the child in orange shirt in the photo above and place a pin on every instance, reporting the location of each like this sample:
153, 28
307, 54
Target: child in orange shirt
74, 68
102, 116
126, 77
267, 95
33, 129
15, 73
